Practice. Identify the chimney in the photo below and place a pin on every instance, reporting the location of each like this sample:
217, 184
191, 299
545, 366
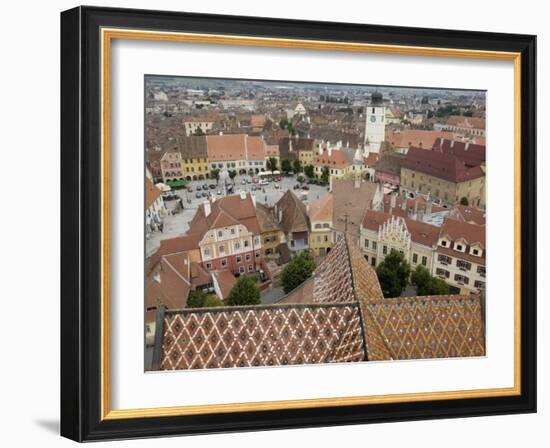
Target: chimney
329, 149
207, 209
357, 182
290, 144
243, 194
330, 179
221, 132
253, 197
393, 198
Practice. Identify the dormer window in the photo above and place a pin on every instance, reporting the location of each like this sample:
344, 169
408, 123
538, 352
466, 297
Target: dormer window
459, 247
444, 243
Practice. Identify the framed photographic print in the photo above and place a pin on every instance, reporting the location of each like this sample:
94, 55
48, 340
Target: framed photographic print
276, 224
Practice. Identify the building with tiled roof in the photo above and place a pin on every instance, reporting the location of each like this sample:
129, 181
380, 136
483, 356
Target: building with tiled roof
352, 198
468, 214
198, 124
472, 154
388, 168
339, 315
240, 152
335, 159
321, 215
461, 254
194, 157
383, 232
271, 233
291, 215
154, 205
402, 140
444, 176
295, 148
469, 125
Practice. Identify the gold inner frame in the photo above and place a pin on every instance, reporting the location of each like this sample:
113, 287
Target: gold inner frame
107, 35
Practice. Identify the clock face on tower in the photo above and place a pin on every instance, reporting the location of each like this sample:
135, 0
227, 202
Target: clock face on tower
373, 118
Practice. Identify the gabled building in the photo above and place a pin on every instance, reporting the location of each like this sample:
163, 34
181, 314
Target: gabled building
200, 124
321, 215
228, 234
270, 232
383, 232
291, 215
468, 125
171, 165
461, 253
194, 157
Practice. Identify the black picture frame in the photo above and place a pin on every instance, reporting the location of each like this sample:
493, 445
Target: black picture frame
81, 224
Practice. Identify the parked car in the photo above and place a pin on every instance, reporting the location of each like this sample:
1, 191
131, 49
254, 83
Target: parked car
204, 194
277, 186
305, 187
248, 181
254, 188
198, 194
198, 187
212, 186
255, 180
296, 187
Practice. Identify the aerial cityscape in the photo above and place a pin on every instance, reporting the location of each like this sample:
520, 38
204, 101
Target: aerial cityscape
296, 223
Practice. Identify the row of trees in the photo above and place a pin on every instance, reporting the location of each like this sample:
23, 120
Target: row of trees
394, 274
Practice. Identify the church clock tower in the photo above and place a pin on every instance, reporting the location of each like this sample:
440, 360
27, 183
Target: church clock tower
375, 124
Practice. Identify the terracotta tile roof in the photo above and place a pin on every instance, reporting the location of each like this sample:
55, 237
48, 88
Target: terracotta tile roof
426, 327
179, 244
466, 122
152, 193
226, 281
353, 200
227, 211
166, 284
344, 321
192, 147
390, 162
235, 147
471, 233
421, 232
322, 209
468, 214
261, 336
342, 276
293, 213
198, 275
472, 154
415, 137
266, 219
255, 147
441, 165
337, 159
371, 159
272, 151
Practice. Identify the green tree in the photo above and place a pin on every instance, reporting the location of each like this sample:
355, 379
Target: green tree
214, 173
245, 292
232, 174
393, 274
196, 299
464, 201
271, 164
297, 271
285, 166
199, 131
297, 166
199, 299
426, 284
212, 301
309, 171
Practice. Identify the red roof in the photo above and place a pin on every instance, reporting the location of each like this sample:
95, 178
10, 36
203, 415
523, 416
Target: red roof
471, 153
440, 164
